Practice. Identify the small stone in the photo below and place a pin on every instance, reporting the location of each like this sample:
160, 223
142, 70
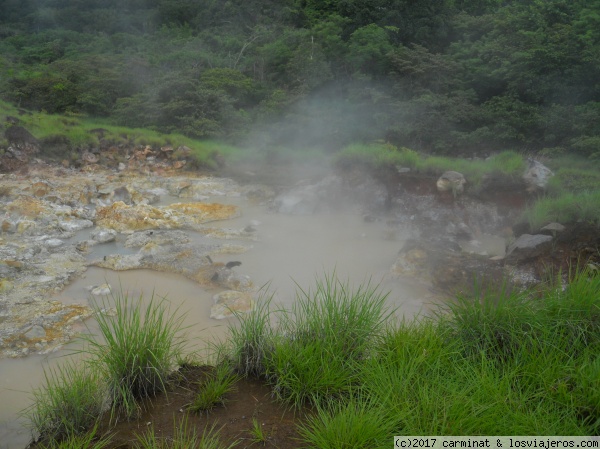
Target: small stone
553, 227
100, 290
53, 243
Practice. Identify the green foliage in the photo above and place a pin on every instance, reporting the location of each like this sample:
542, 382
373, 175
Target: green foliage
184, 438
355, 423
252, 340
327, 332
88, 441
68, 405
214, 388
258, 434
446, 77
564, 208
138, 350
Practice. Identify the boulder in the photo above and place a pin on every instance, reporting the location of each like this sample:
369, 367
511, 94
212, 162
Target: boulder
451, 181
536, 176
528, 246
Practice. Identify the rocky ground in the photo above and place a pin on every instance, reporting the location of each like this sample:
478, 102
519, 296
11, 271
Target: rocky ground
52, 217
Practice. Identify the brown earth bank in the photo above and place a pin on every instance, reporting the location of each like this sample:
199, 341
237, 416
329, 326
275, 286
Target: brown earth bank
251, 401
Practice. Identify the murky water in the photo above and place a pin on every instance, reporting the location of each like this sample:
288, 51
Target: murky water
290, 250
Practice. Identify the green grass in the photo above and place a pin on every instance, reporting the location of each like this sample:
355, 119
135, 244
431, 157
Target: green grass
62, 135
87, 441
137, 350
499, 363
565, 208
250, 340
213, 390
258, 434
507, 163
68, 404
356, 424
184, 438
321, 339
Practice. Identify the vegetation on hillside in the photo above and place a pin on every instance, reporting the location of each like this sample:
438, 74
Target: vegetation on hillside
449, 77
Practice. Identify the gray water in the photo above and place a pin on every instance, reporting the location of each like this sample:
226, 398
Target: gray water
290, 251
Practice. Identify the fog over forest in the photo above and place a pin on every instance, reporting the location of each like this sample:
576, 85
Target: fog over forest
452, 77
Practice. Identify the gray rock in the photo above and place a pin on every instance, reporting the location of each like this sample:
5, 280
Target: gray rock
75, 225
528, 246
553, 227
102, 235
53, 243
537, 176
451, 181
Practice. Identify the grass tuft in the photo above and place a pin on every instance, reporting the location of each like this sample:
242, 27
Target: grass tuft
87, 441
354, 424
68, 404
184, 438
139, 349
214, 388
327, 332
251, 340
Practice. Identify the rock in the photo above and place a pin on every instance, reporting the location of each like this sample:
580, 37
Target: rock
35, 332
53, 243
121, 194
121, 166
25, 226
101, 235
100, 290
553, 228
122, 217
40, 188
537, 176
528, 246
227, 278
8, 226
451, 181
75, 225
229, 303
89, 158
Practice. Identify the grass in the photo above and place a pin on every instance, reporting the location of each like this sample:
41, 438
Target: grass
185, 438
356, 424
566, 208
507, 163
258, 434
327, 331
87, 441
68, 404
252, 339
499, 363
138, 350
214, 388
62, 136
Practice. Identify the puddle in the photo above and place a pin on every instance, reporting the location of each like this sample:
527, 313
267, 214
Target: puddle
289, 251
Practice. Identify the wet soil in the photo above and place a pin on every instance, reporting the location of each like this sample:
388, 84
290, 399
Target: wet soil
251, 400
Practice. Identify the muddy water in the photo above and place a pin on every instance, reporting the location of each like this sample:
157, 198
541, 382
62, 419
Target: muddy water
289, 250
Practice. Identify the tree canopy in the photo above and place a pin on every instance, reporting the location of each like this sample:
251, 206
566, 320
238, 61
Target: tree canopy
443, 76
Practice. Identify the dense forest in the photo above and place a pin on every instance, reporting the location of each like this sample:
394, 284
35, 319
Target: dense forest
456, 77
